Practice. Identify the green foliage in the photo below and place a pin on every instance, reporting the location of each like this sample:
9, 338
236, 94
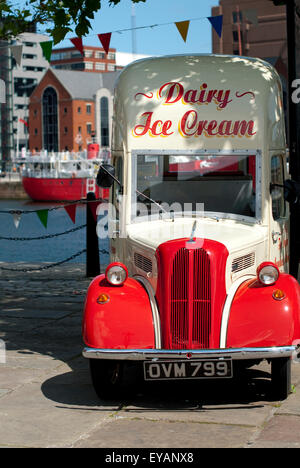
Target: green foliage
59, 16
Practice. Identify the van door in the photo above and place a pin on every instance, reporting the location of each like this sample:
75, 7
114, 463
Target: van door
279, 225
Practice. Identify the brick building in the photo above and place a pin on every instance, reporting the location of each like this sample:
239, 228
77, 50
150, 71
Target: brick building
68, 108
265, 38
93, 59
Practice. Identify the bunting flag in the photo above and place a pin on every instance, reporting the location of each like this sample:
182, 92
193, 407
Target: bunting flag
281, 67
47, 49
17, 219
71, 210
105, 41
93, 207
251, 16
183, 27
77, 41
24, 122
217, 23
43, 216
16, 51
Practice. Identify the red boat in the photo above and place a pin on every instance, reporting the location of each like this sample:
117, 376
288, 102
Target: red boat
61, 176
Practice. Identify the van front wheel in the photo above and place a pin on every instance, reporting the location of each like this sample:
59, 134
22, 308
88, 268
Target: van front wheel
281, 377
107, 377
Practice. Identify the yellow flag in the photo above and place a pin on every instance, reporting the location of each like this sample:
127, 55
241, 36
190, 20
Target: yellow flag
183, 27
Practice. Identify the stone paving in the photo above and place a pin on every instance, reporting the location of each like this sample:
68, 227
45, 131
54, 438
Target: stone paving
47, 400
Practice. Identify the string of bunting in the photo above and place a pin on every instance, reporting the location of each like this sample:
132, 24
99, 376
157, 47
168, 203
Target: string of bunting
43, 213
105, 38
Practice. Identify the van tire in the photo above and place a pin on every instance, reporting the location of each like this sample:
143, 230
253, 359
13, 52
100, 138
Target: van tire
107, 377
281, 370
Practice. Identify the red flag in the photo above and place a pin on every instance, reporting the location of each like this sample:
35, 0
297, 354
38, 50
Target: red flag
71, 210
77, 41
105, 41
93, 207
24, 122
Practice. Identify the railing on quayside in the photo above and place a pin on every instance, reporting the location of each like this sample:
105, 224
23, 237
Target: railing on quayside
92, 246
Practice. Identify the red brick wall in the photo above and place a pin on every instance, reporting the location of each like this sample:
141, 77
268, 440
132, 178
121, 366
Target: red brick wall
69, 117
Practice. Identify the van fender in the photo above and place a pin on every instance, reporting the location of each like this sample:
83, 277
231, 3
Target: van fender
124, 321
253, 318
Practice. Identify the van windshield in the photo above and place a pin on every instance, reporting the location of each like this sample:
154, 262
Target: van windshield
217, 183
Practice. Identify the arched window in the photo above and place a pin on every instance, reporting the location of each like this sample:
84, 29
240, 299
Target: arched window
104, 122
50, 132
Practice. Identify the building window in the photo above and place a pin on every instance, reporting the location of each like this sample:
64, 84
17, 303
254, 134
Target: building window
99, 66
88, 128
79, 110
23, 87
88, 53
66, 130
99, 54
104, 122
50, 124
110, 67
89, 65
111, 56
88, 108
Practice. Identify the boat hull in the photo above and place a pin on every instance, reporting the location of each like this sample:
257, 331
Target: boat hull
60, 189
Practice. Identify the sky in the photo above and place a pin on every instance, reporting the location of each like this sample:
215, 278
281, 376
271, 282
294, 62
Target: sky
163, 39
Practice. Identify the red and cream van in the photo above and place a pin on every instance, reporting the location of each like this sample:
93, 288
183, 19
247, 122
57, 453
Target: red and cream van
198, 226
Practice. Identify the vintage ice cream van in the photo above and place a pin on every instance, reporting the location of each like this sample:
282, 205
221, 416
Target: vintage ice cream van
198, 227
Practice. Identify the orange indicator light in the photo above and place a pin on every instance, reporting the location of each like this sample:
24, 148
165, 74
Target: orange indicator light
278, 294
103, 298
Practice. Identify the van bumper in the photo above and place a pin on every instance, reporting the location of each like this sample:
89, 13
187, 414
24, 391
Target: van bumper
162, 354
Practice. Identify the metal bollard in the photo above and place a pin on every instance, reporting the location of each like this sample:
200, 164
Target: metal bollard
92, 246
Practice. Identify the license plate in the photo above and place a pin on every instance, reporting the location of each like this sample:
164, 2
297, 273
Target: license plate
201, 369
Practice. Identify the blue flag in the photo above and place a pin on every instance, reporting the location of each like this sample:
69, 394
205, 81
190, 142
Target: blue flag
216, 22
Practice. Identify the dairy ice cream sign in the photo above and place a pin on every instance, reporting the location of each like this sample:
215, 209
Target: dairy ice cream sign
192, 122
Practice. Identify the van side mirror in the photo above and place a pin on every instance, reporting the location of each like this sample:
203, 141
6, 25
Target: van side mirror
105, 176
291, 191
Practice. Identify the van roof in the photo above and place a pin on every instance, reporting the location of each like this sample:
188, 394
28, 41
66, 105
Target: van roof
200, 101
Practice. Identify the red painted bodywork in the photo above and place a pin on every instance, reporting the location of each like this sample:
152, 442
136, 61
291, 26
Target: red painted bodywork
258, 320
69, 189
191, 294
124, 322
194, 294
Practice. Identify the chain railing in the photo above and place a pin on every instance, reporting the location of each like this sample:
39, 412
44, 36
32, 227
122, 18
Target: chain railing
92, 250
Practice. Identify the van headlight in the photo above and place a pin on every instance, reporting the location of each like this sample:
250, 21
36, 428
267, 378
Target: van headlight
267, 273
116, 274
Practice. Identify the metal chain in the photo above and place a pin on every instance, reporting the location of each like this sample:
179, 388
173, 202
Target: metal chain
75, 202
45, 267
48, 236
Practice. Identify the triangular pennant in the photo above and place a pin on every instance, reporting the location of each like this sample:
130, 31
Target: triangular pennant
71, 210
93, 207
17, 219
251, 16
77, 41
47, 49
217, 23
183, 27
43, 216
16, 51
281, 68
105, 41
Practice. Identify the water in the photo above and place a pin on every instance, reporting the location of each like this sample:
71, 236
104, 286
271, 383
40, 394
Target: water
48, 250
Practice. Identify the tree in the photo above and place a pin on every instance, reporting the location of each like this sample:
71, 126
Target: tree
59, 16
